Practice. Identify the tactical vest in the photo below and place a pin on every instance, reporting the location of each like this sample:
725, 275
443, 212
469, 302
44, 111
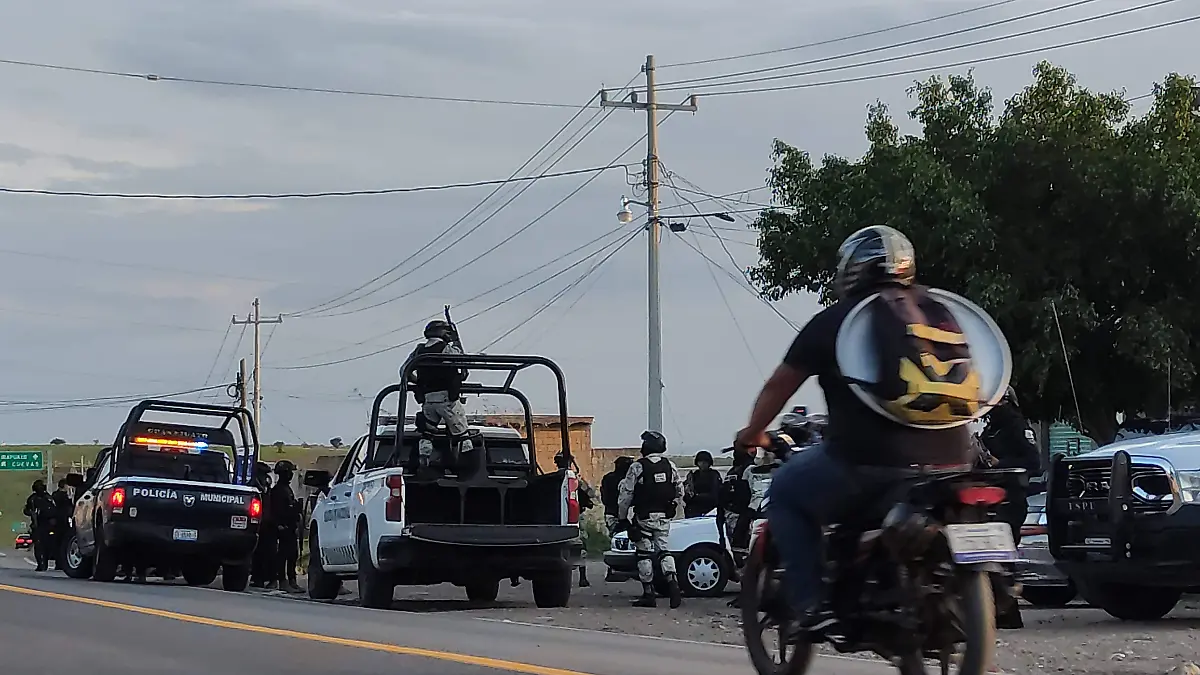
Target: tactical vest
655, 491
437, 378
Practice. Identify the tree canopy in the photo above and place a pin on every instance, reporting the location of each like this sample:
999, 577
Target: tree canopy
1063, 201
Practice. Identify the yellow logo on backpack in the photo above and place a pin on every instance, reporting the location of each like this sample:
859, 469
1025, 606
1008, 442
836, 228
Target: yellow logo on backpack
927, 373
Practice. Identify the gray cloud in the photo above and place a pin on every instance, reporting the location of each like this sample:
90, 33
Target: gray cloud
111, 297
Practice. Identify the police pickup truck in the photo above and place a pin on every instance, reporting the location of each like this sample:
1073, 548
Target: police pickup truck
170, 496
492, 516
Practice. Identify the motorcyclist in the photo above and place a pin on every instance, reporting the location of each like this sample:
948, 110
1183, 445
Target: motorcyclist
819, 485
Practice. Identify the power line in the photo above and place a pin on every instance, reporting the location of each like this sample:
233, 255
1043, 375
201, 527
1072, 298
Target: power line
564, 291
732, 316
501, 303
535, 270
545, 166
309, 195
216, 359
513, 236
151, 77
844, 38
541, 335
233, 356
15, 407
130, 265
957, 64
458, 222
906, 43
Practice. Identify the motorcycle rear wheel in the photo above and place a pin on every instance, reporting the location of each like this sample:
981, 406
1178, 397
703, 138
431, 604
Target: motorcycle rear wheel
763, 609
977, 620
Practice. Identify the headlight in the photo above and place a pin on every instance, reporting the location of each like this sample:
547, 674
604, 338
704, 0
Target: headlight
1189, 486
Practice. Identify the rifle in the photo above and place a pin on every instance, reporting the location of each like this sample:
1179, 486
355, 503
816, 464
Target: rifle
457, 339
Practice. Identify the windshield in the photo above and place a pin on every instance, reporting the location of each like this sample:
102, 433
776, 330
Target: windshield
208, 466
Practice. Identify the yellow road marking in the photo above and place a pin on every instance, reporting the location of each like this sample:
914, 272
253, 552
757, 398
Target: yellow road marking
499, 664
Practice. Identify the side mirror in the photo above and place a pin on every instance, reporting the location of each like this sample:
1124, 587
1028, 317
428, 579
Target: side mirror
317, 478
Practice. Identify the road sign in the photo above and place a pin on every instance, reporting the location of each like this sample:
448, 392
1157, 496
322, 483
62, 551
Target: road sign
21, 460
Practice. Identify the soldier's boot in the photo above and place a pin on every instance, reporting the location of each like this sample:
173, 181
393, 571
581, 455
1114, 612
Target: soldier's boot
583, 580
648, 598
673, 591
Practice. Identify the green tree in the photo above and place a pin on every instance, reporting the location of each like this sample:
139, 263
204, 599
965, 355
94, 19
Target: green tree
1063, 201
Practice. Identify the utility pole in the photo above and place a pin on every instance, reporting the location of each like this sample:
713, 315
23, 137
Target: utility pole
241, 383
256, 320
654, 395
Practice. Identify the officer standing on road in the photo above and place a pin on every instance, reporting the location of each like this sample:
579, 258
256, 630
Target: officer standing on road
43, 516
651, 488
609, 492
262, 565
1009, 440
287, 517
701, 487
437, 389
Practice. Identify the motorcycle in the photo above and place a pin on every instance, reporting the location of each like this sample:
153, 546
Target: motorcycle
907, 579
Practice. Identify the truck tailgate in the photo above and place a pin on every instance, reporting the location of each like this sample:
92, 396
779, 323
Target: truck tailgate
186, 504
496, 535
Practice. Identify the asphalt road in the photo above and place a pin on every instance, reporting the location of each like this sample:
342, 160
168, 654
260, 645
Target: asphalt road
51, 624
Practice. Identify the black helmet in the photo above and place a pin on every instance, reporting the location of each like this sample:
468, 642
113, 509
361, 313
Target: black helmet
871, 257
653, 443
1010, 397
438, 329
39, 485
560, 461
703, 456
284, 466
622, 464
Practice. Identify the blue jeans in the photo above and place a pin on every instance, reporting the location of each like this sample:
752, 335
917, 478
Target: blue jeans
807, 493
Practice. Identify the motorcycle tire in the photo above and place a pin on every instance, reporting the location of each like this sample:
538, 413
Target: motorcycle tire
762, 606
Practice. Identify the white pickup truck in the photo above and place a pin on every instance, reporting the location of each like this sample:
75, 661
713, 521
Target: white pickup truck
378, 521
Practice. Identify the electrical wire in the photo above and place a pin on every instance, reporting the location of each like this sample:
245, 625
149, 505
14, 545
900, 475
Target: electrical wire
538, 336
481, 312
233, 355
727, 198
516, 234
16, 407
545, 166
310, 195
666, 86
958, 64
216, 359
606, 235
479, 205
564, 291
151, 77
844, 38
124, 322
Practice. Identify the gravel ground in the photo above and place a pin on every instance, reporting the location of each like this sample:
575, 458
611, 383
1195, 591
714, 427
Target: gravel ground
1076, 640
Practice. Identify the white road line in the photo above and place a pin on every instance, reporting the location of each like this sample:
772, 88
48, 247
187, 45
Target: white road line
31, 561
667, 639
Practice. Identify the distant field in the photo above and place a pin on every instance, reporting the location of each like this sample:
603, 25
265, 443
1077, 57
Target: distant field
15, 485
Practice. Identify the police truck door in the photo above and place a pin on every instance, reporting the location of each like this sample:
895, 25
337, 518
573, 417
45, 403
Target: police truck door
337, 530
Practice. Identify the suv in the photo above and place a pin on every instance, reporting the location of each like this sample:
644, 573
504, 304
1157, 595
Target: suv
491, 516
1123, 520
170, 496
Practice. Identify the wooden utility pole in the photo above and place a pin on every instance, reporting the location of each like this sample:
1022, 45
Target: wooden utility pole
255, 319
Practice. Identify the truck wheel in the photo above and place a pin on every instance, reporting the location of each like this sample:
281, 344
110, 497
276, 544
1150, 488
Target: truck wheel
553, 589
1049, 597
375, 589
104, 563
72, 561
703, 571
1128, 602
483, 591
201, 574
321, 584
234, 578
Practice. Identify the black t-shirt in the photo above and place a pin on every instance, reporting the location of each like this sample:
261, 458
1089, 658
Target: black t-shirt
855, 432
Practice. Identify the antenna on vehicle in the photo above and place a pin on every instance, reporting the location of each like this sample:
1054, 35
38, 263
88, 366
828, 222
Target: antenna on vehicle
1067, 360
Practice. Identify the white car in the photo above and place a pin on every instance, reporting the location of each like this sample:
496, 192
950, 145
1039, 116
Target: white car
704, 566
376, 523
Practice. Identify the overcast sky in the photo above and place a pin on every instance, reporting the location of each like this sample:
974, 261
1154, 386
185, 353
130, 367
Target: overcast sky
128, 297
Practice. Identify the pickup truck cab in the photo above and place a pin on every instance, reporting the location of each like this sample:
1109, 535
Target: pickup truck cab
1123, 520
170, 495
478, 521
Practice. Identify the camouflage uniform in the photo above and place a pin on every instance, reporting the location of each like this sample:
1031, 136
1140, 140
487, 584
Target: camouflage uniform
653, 528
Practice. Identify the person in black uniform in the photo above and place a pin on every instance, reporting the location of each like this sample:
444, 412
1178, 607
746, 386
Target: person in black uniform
262, 565
701, 486
43, 523
1009, 440
608, 498
287, 517
818, 486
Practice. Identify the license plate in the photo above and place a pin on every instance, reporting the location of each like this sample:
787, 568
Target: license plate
981, 542
185, 535
238, 522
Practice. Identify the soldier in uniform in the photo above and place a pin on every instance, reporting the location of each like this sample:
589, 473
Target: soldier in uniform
437, 389
651, 489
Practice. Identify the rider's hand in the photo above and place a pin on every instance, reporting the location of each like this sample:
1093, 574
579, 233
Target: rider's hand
748, 438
